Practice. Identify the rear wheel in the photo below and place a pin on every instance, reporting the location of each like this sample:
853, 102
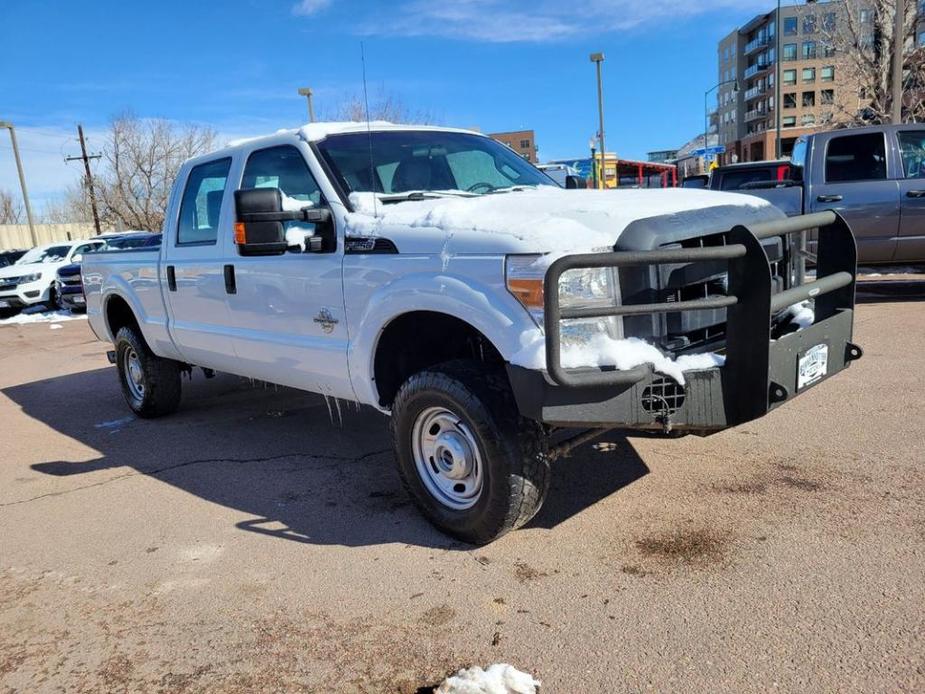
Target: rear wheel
150, 384
472, 464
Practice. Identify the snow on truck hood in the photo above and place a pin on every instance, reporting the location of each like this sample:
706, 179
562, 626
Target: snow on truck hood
545, 219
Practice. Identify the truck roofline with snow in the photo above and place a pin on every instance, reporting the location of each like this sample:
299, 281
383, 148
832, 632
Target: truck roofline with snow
436, 276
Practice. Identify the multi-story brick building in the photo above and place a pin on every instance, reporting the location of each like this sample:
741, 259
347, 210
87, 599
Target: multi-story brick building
812, 86
521, 141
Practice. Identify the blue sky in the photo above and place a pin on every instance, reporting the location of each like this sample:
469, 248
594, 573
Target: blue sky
236, 65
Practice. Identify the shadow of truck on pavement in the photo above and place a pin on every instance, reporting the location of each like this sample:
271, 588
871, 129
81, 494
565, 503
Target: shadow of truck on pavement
305, 469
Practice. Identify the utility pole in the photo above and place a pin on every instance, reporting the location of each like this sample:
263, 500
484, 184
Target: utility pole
307, 93
22, 179
899, 40
86, 160
597, 59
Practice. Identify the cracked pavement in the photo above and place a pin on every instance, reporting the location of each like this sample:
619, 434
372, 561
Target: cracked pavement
249, 544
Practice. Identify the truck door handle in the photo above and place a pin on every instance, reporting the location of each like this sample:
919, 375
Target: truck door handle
171, 278
916, 194
829, 198
230, 286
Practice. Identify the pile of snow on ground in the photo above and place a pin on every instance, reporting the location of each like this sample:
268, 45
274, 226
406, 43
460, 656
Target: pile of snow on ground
499, 678
41, 316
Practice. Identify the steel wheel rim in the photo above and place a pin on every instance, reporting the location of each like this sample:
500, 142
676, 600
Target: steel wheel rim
447, 458
134, 374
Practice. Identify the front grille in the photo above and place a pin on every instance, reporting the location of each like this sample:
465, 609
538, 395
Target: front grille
7, 287
693, 330
72, 281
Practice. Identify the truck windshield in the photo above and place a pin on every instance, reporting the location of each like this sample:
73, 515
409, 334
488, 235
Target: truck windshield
426, 161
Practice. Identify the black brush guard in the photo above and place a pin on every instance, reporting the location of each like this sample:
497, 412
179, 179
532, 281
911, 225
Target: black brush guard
759, 373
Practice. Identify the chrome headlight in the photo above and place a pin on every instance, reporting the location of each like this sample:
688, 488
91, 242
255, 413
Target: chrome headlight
25, 279
580, 288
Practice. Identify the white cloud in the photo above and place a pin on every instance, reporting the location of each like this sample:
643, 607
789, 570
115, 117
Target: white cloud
510, 21
305, 8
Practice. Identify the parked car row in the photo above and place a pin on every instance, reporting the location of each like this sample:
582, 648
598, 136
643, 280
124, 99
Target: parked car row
50, 274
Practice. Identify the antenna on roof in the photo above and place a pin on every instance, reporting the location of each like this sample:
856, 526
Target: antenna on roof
369, 133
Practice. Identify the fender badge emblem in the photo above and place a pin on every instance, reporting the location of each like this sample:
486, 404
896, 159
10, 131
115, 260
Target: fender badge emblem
326, 320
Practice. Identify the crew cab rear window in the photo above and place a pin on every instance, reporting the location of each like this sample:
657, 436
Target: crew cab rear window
202, 203
856, 158
283, 168
912, 147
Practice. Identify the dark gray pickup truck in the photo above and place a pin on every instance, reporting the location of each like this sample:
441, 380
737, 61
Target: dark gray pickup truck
874, 177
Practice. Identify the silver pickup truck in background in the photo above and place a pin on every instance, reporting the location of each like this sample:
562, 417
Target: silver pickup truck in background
874, 177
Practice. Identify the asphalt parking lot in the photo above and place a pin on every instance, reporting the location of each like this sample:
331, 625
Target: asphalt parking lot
249, 544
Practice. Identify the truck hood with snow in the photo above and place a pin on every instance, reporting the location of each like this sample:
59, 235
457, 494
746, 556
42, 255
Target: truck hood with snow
544, 219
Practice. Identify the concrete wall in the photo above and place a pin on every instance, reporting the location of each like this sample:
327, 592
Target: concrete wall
17, 236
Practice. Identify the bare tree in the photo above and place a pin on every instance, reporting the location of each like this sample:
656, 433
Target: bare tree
73, 206
10, 208
383, 105
141, 158
863, 40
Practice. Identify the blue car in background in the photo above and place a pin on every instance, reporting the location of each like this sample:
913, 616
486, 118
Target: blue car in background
68, 284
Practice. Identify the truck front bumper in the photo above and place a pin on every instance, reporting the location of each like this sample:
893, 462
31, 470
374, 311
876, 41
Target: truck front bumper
759, 374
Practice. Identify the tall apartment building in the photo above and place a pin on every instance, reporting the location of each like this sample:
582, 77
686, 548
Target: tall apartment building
521, 141
810, 83
812, 86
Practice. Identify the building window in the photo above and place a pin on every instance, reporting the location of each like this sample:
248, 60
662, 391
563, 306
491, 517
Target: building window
827, 74
525, 144
828, 50
790, 77
827, 96
809, 99
790, 100
922, 38
867, 16
828, 22
808, 119
790, 51
809, 74
790, 26
788, 121
809, 24
809, 50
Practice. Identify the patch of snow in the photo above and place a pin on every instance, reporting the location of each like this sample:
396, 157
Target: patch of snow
56, 326
603, 350
41, 315
803, 314
291, 204
499, 678
551, 219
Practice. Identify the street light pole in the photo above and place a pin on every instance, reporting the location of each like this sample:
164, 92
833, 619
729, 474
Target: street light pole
706, 115
597, 59
22, 179
778, 73
307, 93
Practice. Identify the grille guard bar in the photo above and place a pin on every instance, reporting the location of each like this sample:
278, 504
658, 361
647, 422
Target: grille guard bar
749, 302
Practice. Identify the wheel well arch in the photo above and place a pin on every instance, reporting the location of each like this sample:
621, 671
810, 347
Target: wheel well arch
416, 340
119, 314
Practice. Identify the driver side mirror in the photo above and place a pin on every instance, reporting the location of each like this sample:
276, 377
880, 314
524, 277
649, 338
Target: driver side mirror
260, 230
572, 182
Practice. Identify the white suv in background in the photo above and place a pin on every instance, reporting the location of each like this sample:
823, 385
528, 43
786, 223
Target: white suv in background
31, 279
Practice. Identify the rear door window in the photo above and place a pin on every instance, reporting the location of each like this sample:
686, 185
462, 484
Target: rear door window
202, 203
912, 149
856, 158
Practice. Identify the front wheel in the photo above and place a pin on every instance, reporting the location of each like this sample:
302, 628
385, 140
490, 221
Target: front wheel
472, 464
150, 384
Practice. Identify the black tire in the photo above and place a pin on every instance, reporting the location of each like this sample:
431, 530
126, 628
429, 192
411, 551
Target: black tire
160, 378
54, 302
513, 449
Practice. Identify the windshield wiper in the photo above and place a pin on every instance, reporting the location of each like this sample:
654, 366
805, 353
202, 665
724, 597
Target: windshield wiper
414, 195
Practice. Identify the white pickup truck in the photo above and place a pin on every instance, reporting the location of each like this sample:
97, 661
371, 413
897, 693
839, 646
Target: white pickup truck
434, 275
